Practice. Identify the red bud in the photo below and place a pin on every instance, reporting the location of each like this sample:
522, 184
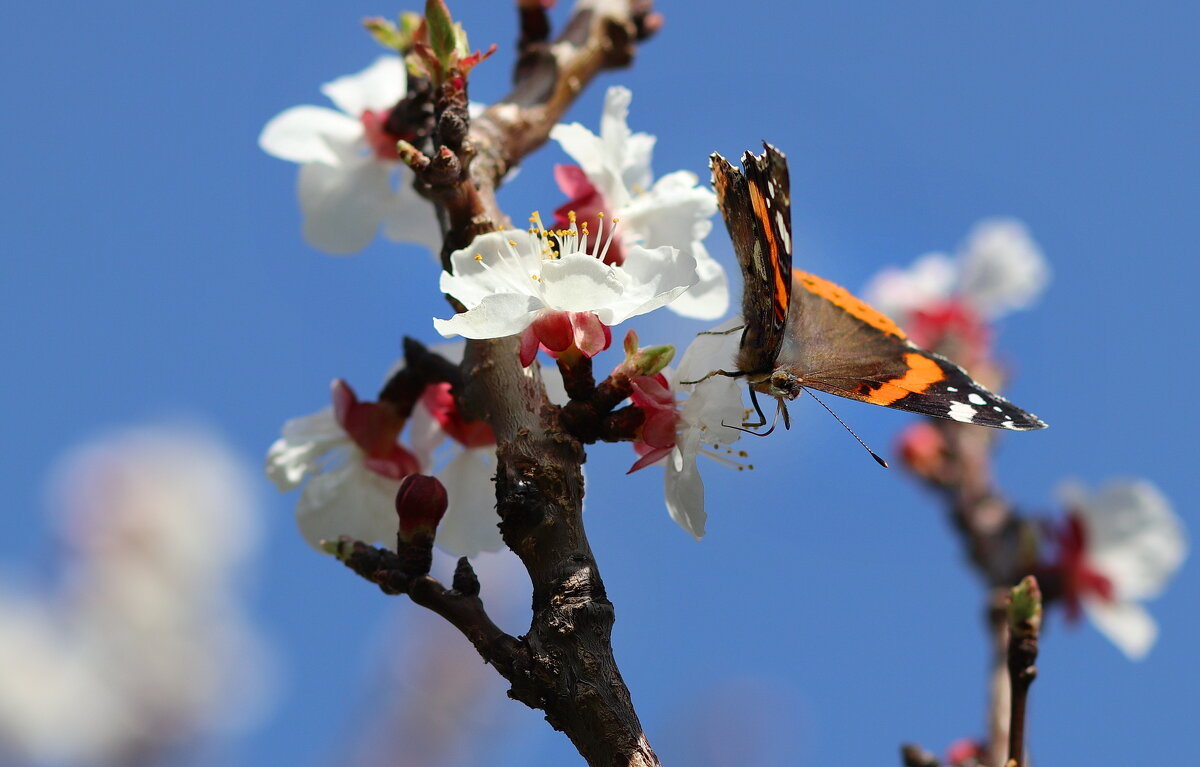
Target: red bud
420, 503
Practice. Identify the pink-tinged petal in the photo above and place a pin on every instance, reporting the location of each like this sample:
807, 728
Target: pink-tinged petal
378, 87
573, 182
931, 324
553, 330
343, 206
382, 143
652, 392
438, 400
659, 430
591, 336
310, 134
529, 346
496, 316
397, 463
650, 456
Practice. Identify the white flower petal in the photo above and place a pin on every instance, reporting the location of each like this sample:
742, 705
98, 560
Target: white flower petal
1133, 537
1002, 267
684, 491
709, 351
343, 206
470, 524
350, 500
578, 283
657, 276
708, 299
411, 217
378, 87
629, 152
497, 270
300, 450
496, 316
310, 134
896, 292
1126, 624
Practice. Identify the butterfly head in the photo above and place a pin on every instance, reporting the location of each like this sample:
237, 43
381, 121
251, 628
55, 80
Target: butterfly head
780, 384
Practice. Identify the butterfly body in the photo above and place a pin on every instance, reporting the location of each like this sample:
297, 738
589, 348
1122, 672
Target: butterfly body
802, 331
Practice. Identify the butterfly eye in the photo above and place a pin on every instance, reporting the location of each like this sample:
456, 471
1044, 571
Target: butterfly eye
785, 384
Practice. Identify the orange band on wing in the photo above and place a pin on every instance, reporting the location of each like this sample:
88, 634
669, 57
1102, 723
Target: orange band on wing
782, 289
841, 298
922, 373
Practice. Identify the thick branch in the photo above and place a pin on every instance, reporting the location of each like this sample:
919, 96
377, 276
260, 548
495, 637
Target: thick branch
565, 664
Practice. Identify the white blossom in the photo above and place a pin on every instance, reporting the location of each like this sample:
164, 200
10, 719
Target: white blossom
508, 279
351, 180
1132, 539
144, 646
673, 210
998, 269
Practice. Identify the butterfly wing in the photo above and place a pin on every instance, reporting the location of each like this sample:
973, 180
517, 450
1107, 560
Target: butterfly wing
837, 344
757, 209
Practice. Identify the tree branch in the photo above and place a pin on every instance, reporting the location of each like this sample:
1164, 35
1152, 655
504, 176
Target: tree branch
564, 665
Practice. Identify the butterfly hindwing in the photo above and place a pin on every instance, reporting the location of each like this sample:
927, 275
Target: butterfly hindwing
757, 209
840, 345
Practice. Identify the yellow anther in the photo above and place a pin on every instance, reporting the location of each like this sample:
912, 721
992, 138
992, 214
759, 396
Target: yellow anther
571, 216
513, 243
478, 256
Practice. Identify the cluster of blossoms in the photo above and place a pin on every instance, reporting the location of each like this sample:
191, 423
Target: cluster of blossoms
1114, 549
144, 648
623, 245
350, 460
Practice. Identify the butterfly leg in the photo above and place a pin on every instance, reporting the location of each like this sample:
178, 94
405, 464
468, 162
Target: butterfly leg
721, 332
726, 373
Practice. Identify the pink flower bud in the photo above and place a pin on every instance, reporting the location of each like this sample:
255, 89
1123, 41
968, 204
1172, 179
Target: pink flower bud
420, 503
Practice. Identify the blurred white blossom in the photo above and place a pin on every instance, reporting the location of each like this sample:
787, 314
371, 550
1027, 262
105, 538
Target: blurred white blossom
144, 647
1119, 547
998, 269
351, 179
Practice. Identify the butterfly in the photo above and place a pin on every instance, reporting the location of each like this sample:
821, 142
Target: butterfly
803, 332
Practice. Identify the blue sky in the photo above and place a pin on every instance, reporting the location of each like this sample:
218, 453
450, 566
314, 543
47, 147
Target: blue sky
153, 267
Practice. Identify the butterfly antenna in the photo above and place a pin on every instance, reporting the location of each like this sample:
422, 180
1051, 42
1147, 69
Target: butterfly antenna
874, 455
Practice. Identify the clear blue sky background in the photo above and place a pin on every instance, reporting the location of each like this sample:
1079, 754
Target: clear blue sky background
153, 266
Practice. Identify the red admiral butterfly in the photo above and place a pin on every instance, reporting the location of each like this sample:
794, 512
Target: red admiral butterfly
801, 331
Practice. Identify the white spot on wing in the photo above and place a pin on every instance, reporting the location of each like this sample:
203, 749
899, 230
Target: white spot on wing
952, 389
1009, 424
962, 412
783, 231
997, 408
975, 399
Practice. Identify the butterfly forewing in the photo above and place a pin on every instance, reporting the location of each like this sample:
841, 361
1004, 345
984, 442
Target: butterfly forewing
757, 209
